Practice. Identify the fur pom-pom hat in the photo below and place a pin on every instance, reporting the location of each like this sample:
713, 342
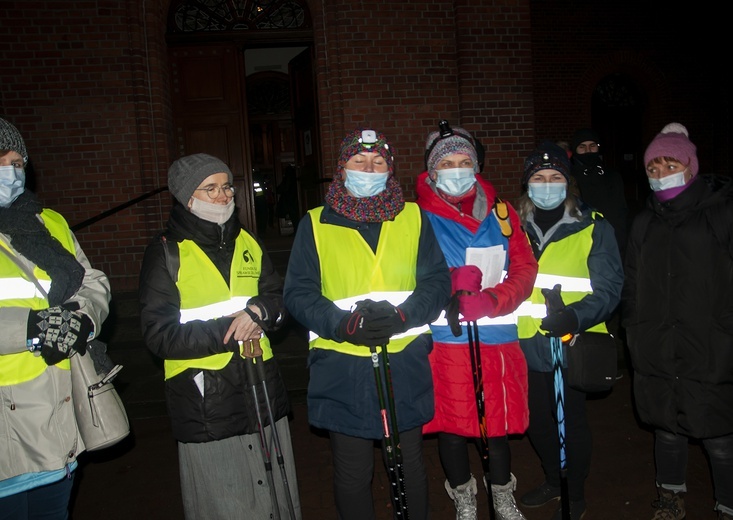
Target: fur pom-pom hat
673, 141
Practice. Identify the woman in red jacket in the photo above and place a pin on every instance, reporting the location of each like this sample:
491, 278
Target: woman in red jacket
465, 213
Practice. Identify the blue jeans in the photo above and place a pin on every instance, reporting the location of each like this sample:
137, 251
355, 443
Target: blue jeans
670, 455
49, 502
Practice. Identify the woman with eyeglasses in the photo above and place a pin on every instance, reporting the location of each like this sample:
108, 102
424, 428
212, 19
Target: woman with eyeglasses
208, 295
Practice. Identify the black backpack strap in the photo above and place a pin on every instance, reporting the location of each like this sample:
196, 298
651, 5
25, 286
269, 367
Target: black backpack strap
172, 257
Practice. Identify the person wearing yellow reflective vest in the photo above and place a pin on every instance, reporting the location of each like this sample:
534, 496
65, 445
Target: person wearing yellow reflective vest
367, 244
52, 302
208, 295
576, 248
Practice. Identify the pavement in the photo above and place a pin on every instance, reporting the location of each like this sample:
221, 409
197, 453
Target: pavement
138, 478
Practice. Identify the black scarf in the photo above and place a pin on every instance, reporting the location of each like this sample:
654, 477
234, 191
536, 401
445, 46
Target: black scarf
29, 237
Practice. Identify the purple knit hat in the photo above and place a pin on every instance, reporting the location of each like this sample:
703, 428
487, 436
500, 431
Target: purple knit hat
673, 141
455, 143
364, 140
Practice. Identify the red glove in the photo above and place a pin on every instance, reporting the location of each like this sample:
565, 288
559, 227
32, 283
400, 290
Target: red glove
478, 305
466, 278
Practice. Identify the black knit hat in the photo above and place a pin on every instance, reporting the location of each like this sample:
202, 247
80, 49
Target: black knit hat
547, 156
11, 140
582, 135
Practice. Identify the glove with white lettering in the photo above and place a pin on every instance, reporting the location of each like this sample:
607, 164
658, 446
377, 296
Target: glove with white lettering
60, 331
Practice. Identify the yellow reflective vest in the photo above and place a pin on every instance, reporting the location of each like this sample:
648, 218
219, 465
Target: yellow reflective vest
16, 290
205, 294
351, 271
564, 262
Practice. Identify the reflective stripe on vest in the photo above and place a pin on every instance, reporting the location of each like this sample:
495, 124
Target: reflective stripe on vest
17, 291
564, 262
351, 271
205, 294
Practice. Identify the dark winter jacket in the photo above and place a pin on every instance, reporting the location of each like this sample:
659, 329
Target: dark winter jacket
602, 189
678, 310
341, 390
227, 408
606, 278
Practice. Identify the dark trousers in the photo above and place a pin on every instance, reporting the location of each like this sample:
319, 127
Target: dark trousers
670, 456
453, 451
45, 502
543, 433
353, 470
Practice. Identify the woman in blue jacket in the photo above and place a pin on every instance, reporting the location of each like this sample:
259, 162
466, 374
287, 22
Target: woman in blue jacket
366, 244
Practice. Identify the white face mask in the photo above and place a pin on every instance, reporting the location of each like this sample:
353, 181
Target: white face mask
547, 195
455, 181
365, 184
676, 180
216, 213
12, 184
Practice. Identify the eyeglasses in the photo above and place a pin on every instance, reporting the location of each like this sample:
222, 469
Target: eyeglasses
213, 190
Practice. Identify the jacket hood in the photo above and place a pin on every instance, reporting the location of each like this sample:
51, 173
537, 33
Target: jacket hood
430, 201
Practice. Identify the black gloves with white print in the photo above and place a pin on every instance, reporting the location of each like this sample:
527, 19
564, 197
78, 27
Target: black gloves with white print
58, 331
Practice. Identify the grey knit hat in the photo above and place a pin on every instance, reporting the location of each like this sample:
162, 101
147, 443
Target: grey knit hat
11, 140
438, 147
187, 173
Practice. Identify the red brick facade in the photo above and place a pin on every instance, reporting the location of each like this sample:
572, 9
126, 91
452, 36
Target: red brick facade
88, 85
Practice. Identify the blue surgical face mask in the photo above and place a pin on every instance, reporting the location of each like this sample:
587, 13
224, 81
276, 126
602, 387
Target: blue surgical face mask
365, 184
12, 184
455, 181
547, 195
676, 180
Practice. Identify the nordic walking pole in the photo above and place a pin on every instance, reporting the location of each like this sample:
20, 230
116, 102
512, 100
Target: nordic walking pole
249, 367
260, 366
391, 440
555, 304
474, 349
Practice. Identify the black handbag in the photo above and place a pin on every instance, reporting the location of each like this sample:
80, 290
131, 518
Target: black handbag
592, 362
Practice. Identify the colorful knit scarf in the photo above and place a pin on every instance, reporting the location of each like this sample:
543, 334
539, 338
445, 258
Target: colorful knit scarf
384, 206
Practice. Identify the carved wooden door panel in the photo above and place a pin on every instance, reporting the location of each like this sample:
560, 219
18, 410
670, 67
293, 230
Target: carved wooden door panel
209, 112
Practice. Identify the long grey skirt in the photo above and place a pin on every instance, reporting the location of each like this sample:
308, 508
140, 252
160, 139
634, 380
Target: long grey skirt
226, 479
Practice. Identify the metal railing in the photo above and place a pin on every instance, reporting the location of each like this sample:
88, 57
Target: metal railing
116, 209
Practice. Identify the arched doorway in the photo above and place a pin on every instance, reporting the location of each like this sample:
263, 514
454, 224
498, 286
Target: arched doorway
257, 129
617, 110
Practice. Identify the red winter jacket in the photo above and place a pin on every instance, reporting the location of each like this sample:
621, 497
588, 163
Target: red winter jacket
504, 368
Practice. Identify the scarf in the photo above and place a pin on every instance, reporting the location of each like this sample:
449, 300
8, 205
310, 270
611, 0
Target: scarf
383, 206
29, 237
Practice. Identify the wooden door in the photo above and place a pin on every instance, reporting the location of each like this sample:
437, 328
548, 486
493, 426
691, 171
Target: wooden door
209, 112
307, 134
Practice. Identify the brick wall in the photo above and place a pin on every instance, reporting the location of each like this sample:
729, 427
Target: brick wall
403, 67
89, 89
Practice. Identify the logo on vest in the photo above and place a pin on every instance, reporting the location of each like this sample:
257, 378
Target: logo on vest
247, 256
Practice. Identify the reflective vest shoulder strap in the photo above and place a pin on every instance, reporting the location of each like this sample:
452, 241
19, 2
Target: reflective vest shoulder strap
172, 257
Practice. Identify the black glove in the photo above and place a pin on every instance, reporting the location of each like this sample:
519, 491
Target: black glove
560, 323
371, 323
59, 331
451, 314
382, 317
553, 300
